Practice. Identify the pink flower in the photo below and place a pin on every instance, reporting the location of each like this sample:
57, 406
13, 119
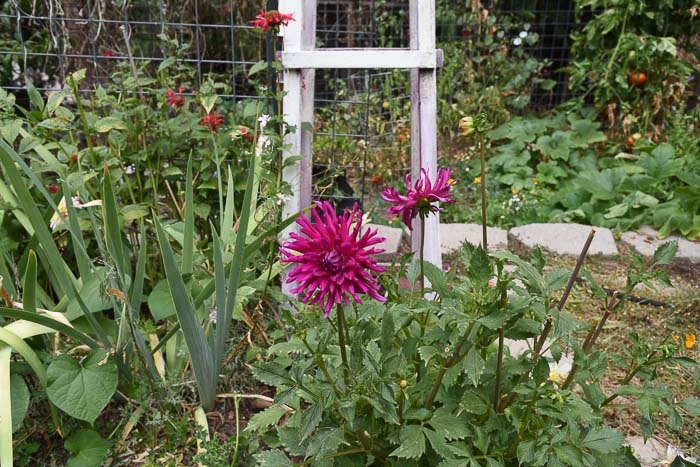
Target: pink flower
334, 258
420, 198
271, 19
175, 99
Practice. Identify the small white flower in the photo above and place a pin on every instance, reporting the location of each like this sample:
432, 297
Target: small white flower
522, 34
264, 120
146, 173
672, 453
517, 41
559, 371
281, 199
212, 315
130, 169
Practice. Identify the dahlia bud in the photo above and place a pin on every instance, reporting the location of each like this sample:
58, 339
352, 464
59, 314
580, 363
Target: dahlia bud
403, 384
466, 126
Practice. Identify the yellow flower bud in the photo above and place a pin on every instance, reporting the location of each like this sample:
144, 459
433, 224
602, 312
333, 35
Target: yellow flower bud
466, 126
403, 384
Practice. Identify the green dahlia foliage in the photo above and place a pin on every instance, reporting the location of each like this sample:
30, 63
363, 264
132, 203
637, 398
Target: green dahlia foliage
429, 382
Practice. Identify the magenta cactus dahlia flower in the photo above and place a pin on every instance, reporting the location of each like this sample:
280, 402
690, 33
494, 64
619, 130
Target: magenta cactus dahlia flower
334, 258
420, 198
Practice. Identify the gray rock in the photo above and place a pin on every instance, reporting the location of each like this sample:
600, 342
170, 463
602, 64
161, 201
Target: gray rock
452, 236
650, 454
563, 239
646, 241
392, 234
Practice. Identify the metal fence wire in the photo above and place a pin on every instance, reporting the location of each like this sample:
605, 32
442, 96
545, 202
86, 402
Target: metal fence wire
43, 41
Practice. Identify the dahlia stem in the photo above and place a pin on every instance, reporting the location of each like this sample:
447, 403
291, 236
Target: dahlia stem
484, 241
499, 365
341, 342
422, 249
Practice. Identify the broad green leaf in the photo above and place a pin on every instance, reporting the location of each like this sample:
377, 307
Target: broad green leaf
160, 302
437, 442
19, 394
273, 458
604, 440
480, 268
691, 405
665, 253
474, 366
106, 124
261, 65
272, 373
557, 146
412, 443
660, 164
325, 441
34, 96
602, 185
449, 426
82, 388
134, 212
310, 418
88, 447
267, 417
93, 296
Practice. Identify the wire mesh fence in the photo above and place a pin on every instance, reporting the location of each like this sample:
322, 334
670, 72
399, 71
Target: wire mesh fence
361, 124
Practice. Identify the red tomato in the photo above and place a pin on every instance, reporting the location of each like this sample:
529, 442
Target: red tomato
637, 79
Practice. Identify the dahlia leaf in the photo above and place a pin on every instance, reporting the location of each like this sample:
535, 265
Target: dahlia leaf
310, 418
412, 443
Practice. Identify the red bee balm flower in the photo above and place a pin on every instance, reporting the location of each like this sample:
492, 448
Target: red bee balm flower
419, 199
212, 120
175, 99
334, 258
271, 19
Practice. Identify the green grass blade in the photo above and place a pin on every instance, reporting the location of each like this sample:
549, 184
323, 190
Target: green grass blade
188, 242
136, 292
49, 323
237, 262
113, 231
200, 353
220, 288
29, 287
7, 280
5, 408
210, 287
81, 256
26, 352
24, 198
227, 232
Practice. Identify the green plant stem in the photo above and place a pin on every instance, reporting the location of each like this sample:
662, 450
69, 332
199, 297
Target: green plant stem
628, 377
448, 364
501, 345
548, 323
83, 119
341, 342
482, 157
422, 259
236, 403
591, 338
322, 365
